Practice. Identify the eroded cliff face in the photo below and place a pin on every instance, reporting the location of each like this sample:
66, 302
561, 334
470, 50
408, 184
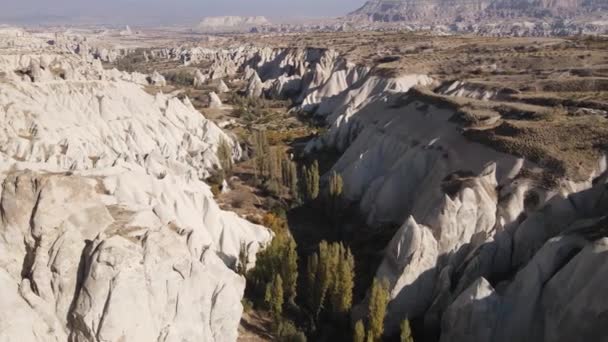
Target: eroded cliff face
486, 245
107, 231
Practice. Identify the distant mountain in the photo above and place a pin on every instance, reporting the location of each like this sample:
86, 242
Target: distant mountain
417, 10
230, 23
442, 11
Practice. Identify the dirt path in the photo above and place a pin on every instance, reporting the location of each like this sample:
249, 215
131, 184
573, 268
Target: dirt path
254, 327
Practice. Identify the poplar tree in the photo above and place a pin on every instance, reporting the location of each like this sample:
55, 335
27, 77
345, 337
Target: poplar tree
335, 185
323, 278
262, 154
311, 175
279, 258
224, 154
359, 333
290, 270
274, 297
331, 279
342, 298
275, 157
406, 331
312, 266
289, 174
377, 308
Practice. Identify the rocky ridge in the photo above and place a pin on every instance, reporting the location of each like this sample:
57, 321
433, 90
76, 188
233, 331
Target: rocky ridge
482, 236
484, 17
103, 212
442, 11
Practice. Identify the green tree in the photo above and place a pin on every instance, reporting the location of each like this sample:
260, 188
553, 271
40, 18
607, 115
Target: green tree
377, 308
311, 175
279, 258
275, 164
262, 154
287, 332
290, 177
331, 279
342, 296
406, 331
289, 270
336, 184
359, 333
325, 273
224, 154
241, 266
312, 267
274, 298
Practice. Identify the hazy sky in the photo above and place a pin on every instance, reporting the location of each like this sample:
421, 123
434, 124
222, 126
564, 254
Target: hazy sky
165, 11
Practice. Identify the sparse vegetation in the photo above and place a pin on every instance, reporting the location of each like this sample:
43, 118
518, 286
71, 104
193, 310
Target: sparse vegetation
179, 78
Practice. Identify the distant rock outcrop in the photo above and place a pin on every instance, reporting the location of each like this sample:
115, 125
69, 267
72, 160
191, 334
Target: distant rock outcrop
230, 23
450, 11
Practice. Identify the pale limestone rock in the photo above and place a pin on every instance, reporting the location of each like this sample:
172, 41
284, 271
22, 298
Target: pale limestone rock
255, 87
199, 78
409, 266
222, 87
286, 87
214, 100
547, 300
472, 316
107, 231
157, 79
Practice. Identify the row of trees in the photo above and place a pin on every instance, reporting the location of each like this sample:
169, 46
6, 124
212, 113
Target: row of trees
330, 271
273, 281
275, 170
331, 278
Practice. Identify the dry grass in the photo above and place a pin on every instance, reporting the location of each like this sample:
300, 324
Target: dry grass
563, 144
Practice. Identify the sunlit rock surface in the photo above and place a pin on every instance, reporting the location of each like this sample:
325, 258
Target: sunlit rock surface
107, 231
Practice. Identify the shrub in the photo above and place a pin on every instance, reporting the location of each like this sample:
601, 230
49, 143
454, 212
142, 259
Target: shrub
182, 77
287, 332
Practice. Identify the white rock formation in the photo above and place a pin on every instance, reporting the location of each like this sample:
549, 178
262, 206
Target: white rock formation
255, 87
230, 23
199, 79
157, 79
222, 87
214, 100
107, 232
